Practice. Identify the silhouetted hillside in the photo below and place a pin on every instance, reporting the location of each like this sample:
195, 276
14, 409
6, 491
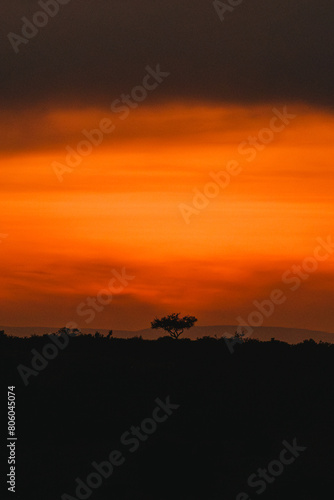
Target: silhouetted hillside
234, 413
289, 335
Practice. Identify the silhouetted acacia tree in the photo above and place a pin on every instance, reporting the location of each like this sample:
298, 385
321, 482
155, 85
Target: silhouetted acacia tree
173, 324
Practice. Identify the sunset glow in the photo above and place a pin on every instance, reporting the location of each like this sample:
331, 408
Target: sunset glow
120, 207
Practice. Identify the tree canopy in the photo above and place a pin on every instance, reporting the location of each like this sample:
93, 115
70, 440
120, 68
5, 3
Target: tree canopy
173, 324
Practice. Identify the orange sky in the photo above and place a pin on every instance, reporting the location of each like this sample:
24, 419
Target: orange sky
121, 208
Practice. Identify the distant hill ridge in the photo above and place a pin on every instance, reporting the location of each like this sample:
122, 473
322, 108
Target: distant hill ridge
290, 335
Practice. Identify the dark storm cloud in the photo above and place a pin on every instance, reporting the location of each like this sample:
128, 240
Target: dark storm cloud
94, 50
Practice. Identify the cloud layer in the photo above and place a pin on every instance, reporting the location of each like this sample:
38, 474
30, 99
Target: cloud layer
92, 51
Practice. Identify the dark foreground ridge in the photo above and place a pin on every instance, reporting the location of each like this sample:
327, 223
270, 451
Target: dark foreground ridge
155, 420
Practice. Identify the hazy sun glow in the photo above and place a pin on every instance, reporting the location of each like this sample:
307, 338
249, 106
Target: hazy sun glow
121, 208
